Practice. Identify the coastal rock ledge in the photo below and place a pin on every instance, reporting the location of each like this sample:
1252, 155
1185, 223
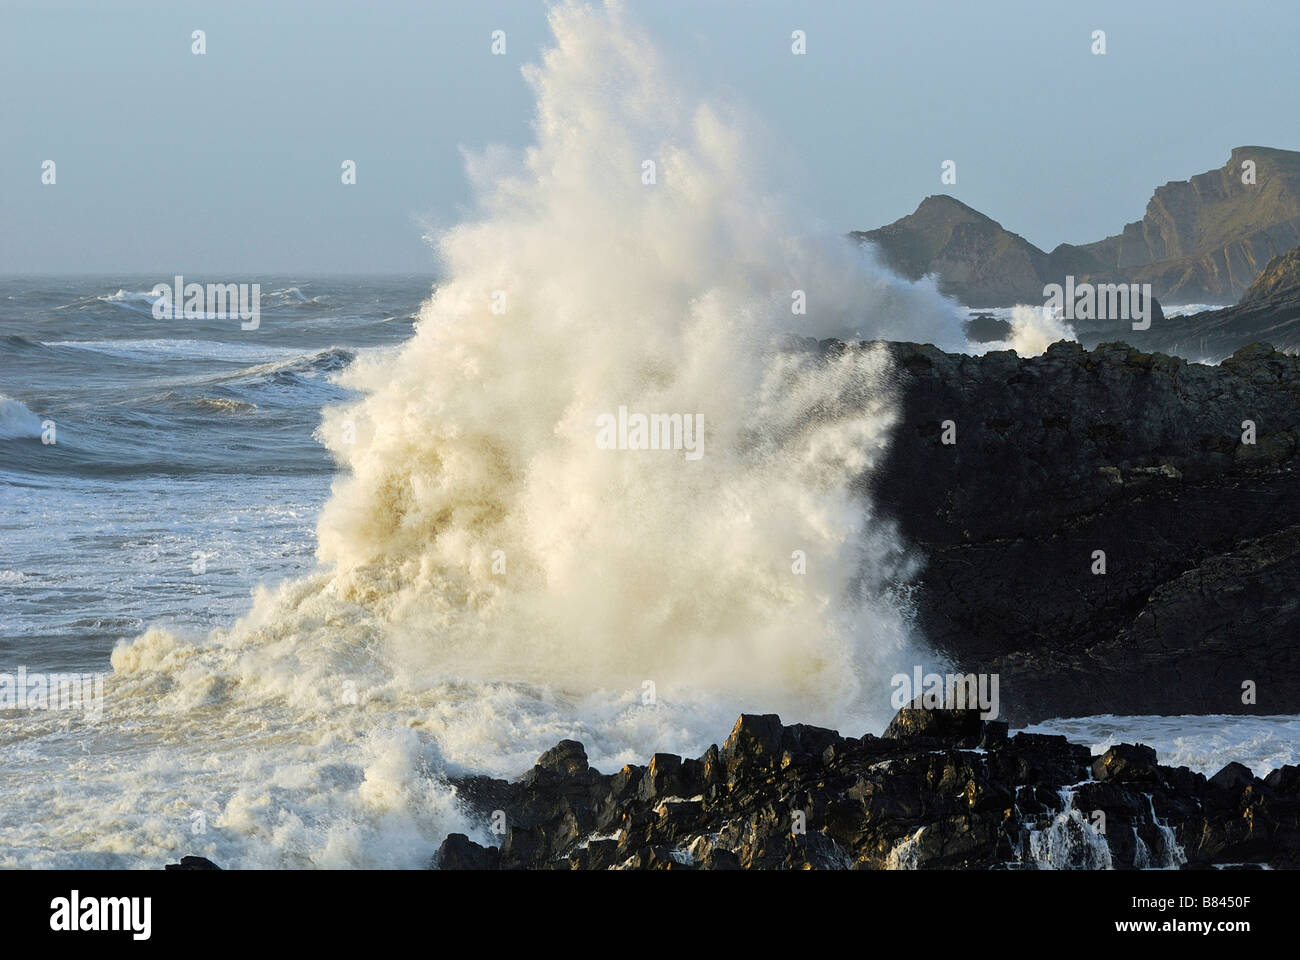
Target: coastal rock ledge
940, 789
1183, 477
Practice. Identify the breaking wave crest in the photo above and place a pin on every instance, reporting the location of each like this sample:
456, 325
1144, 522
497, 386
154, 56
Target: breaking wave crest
16, 420
491, 579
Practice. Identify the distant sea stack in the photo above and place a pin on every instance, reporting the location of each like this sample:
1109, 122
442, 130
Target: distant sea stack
976, 260
1203, 240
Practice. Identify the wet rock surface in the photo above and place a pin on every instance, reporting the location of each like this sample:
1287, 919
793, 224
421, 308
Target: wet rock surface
192, 863
941, 791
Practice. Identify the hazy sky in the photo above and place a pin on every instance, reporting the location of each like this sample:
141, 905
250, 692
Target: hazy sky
230, 162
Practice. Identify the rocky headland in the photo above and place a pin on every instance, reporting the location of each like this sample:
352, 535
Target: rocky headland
1269, 311
1201, 240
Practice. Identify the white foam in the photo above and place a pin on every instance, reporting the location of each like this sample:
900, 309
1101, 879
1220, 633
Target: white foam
1032, 332
164, 348
317, 731
1203, 743
16, 420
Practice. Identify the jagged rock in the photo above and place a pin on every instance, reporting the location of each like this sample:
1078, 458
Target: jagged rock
597, 855
915, 721
800, 739
1126, 762
459, 852
1233, 779
485, 793
806, 798
653, 858
1284, 780
663, 778
992, 733
192, 863
1036, 758
567, 758
755, 740
720, 860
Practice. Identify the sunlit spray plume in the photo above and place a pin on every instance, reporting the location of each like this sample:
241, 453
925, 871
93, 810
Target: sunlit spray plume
585, 288
479, 529
495, 578
1033, 330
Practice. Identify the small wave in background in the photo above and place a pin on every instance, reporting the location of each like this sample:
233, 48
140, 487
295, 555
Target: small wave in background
175, 441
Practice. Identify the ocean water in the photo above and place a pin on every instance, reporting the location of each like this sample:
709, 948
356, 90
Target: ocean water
308, 747
328, 563
1204, 743
179, 444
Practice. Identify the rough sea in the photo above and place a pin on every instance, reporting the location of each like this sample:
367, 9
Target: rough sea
187, 471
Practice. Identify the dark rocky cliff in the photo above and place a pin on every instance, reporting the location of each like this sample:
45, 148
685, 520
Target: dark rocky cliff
1140, 456
1206, 239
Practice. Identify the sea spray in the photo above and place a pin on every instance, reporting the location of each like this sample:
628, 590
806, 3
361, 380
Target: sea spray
1032, 331
580, 290
490, 579
17, 421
